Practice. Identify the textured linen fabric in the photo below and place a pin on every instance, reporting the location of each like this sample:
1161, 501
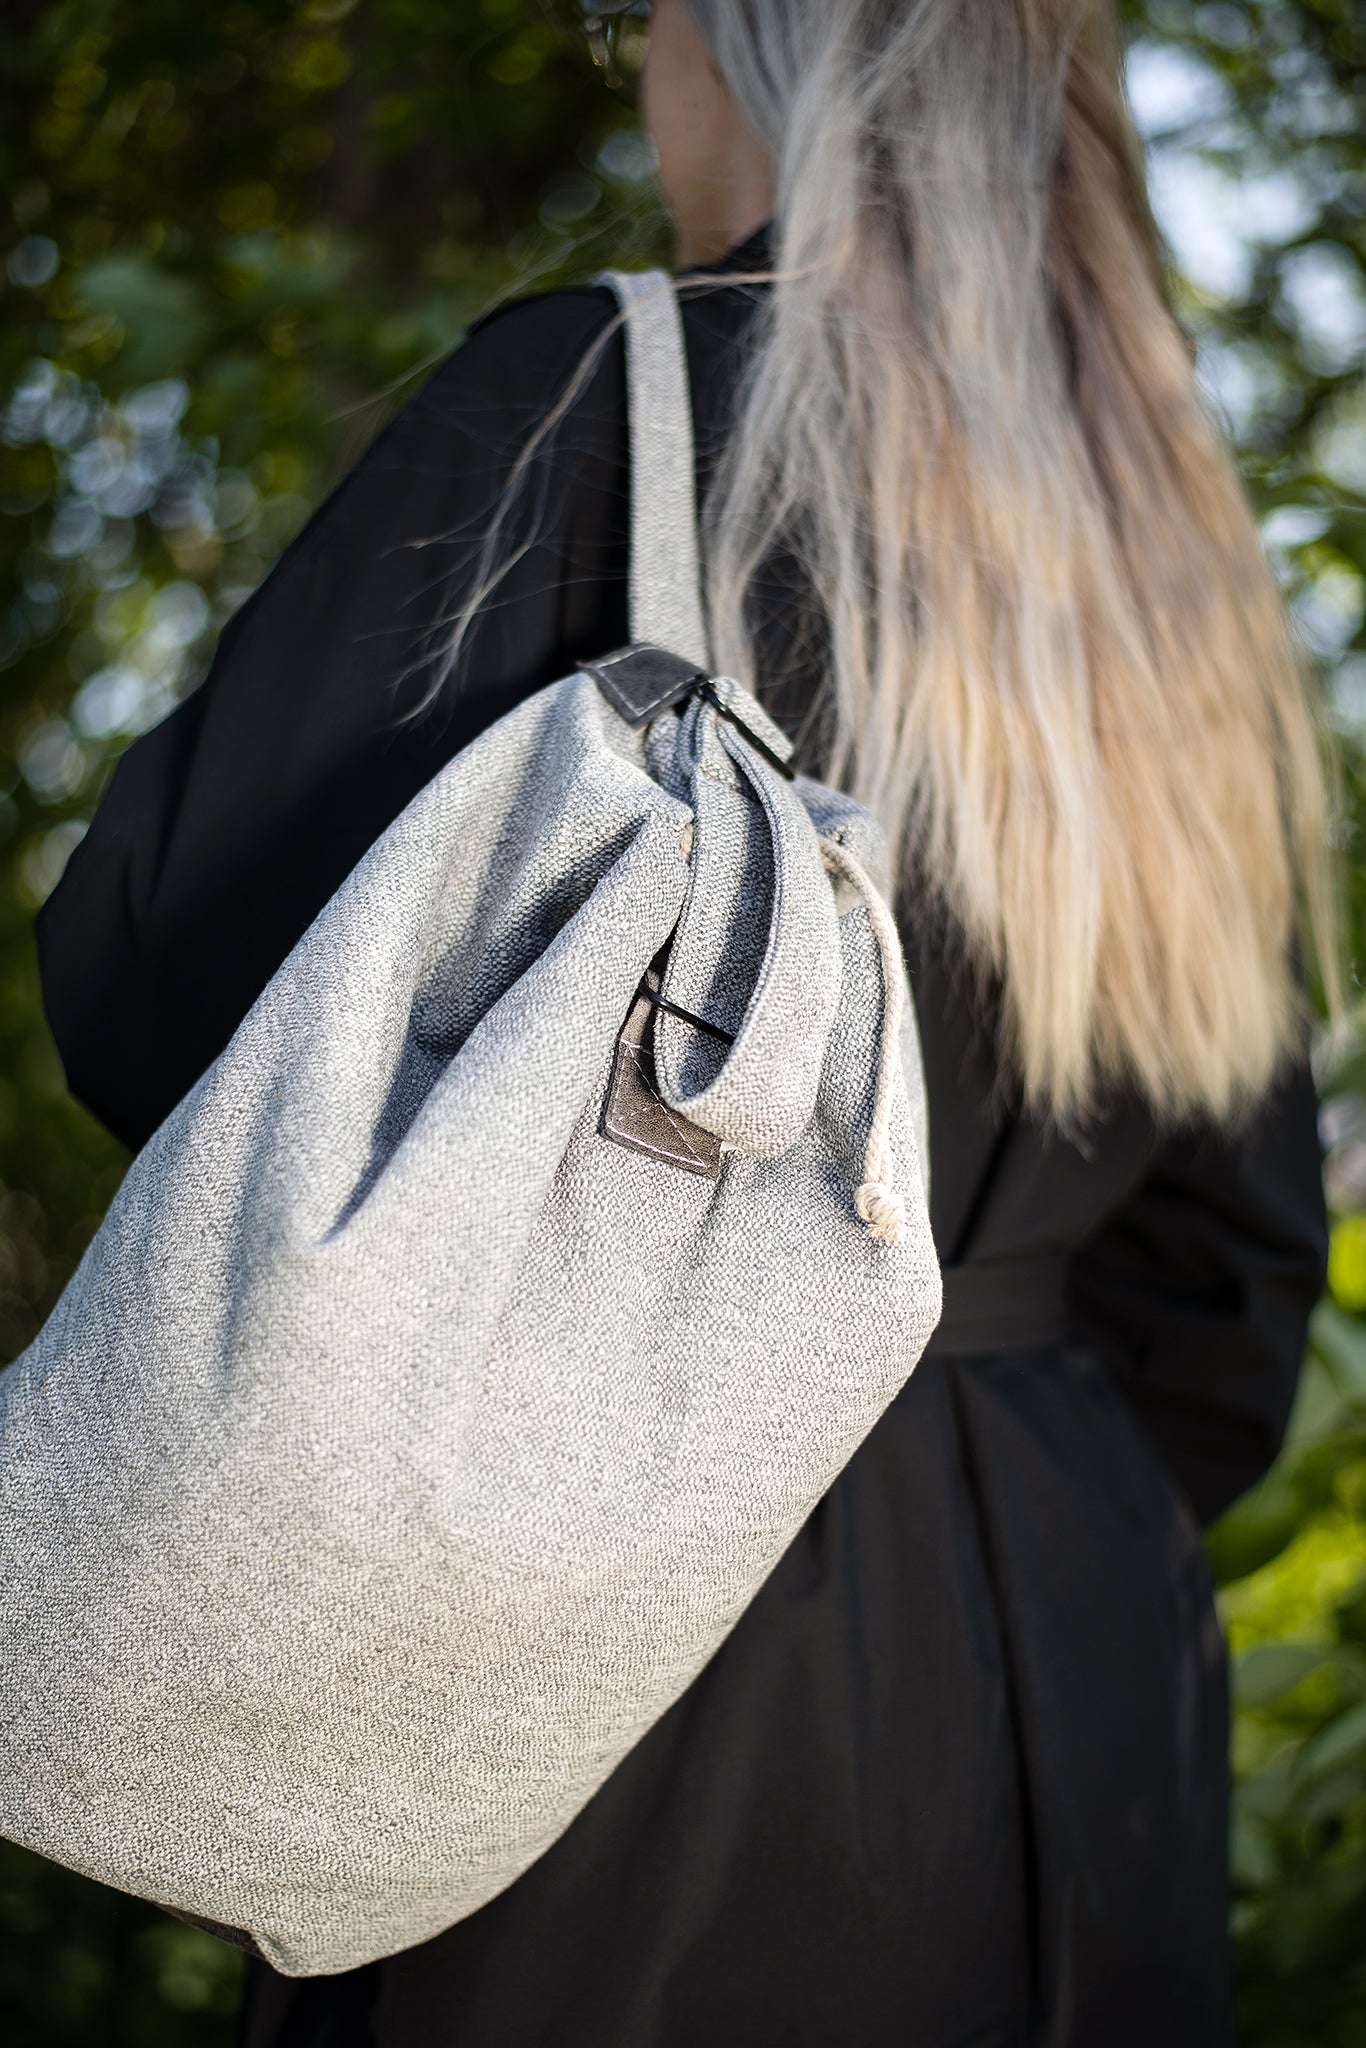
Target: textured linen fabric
665, 572
403, 1446
958, 1773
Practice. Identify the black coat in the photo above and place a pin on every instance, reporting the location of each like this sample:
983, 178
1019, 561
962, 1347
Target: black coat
958, 1777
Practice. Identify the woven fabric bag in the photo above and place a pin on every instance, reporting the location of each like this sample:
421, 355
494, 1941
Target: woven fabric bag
463, 1352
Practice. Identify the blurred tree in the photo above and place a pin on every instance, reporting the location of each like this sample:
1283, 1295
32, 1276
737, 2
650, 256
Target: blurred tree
1253, 115
237, 237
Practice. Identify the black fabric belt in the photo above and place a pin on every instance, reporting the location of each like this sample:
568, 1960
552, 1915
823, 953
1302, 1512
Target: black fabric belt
1001, 1305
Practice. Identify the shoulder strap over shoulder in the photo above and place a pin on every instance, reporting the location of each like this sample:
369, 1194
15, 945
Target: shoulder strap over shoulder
666, 592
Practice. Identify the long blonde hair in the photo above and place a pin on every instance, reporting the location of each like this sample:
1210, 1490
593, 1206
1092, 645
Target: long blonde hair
1060, 669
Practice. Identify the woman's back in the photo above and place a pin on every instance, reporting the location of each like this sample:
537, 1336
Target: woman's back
958, 1773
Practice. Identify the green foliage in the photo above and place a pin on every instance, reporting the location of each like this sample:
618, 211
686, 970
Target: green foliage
82, 1967
1277, 136
1291, 1558
239, 237
236, 238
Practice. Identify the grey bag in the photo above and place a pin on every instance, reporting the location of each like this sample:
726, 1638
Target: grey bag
460, 1356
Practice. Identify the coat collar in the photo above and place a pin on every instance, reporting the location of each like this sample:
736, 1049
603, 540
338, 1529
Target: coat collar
754, 253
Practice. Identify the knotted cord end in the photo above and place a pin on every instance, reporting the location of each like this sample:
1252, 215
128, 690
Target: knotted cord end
883, 1210
876, 1201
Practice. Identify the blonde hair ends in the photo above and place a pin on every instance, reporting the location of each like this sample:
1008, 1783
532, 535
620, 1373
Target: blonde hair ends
1060, 669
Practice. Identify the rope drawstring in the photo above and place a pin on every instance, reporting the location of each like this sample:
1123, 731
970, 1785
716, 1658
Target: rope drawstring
876, 1200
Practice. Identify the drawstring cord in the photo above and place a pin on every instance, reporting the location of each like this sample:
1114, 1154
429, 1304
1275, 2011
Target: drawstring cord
876, 1200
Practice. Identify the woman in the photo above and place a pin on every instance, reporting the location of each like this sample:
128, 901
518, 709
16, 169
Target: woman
958, 1777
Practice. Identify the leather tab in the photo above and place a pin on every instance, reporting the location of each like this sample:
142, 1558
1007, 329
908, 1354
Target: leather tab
640, 682
634, 1114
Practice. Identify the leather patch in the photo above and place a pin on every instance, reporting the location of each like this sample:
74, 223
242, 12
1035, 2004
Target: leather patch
640, 682
635, 1115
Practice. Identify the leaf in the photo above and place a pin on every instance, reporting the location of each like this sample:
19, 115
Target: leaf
1316, 1920
1330, 1798
1256, 1528
1343, 1738
162, 314
1269, 1794
1318, 1403
1270, 1669
1253, 1862
1347, 1267
1340, 1341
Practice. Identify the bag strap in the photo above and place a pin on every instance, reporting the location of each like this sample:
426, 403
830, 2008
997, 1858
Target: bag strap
665, 574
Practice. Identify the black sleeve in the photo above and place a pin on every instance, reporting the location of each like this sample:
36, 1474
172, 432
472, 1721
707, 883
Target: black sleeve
226, 829
1198, 1291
